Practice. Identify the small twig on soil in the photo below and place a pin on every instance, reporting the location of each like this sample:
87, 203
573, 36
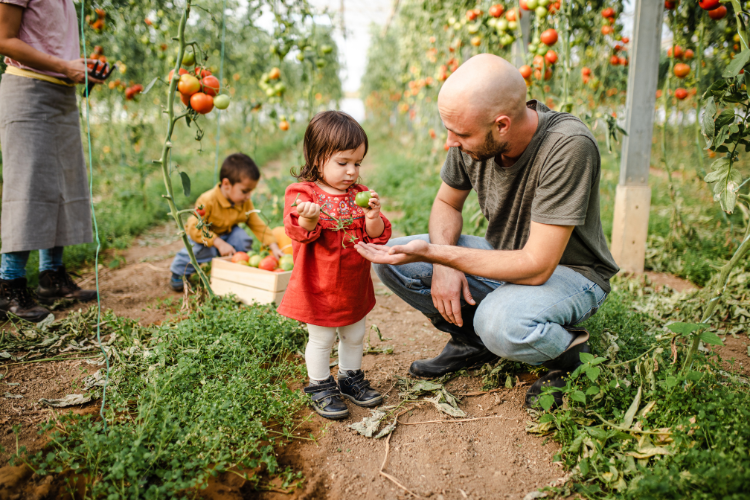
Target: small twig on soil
53, 359
388, 476
479, 393
455, 421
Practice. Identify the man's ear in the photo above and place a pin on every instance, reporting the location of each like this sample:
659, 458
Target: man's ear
502, 124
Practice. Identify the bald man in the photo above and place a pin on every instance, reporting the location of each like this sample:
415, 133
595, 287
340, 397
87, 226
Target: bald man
543, 265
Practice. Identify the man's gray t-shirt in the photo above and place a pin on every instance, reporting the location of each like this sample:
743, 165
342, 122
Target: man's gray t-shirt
555, 181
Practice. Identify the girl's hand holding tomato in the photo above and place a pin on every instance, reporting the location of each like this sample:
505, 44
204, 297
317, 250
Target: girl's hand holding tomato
308, 210
373, 209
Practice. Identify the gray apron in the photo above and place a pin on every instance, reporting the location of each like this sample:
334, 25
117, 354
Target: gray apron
45, 187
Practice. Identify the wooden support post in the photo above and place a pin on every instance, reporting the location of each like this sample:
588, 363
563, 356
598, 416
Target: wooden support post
633, 198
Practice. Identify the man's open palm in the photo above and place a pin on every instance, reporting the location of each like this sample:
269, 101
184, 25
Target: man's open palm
414, 251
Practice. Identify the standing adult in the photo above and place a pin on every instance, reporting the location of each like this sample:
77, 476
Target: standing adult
543, 265
46, 203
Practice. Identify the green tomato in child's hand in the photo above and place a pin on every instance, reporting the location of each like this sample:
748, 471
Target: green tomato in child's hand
362, 199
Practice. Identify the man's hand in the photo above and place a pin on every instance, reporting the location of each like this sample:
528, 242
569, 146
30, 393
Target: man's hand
448, 285
224, 248
414, 251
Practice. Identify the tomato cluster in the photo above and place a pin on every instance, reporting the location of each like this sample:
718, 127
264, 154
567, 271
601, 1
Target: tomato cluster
97, 23
200, 89
264, 261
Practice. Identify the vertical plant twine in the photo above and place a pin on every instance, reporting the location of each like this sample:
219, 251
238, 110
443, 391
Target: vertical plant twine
96, 228
221, 82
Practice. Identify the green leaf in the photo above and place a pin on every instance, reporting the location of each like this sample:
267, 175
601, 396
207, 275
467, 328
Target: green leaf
547, 400
578, 396
733, 68
728, 200
720, 168
586, 357
710, 338
593, 373
592, 390
149, 86
707, 119
583, 465
694, 376
185, 183
598, 433
686, 329
630, 414
671, 381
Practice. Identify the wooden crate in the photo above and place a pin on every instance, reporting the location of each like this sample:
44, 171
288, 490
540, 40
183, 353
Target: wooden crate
247, 283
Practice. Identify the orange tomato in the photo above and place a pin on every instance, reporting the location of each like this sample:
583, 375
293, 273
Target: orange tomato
525, 71
681, 70
681, 93
202, 103
188, 85
210, 85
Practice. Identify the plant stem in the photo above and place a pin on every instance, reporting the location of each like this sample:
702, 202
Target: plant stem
167, 151
565, 22
698, 64
737, 11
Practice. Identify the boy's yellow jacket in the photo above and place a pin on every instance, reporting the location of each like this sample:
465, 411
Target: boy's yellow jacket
223, 216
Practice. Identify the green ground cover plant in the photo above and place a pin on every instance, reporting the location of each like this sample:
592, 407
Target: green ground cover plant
187, 399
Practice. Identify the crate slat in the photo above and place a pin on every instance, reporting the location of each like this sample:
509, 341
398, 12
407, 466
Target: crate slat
246, 294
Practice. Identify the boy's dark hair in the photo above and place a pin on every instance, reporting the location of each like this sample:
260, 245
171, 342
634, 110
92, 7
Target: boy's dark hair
239, 165
327, 133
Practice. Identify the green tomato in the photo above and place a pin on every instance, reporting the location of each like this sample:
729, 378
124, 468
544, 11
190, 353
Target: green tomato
286, 263
321, 63
506, 40
188, 59
541, 12
531, 4
362, 199
512, 25
221, 101
300, 56
502, 24
533, 47
473, 29
456, 26
326, 49
254, 261
543, 3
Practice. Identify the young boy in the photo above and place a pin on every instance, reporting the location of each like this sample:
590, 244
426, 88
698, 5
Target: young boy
225, 207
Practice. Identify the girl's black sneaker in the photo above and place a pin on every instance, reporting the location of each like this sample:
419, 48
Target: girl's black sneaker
326, 400
354, 386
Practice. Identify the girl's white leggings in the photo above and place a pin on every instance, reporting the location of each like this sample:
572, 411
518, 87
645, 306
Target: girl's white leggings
318, 350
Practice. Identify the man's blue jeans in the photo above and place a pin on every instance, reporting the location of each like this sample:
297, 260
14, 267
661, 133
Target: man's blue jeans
14, 263
517, 322
237, 237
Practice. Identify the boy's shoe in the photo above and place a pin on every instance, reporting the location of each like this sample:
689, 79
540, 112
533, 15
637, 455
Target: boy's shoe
326, 400
353, 385
15, 298
56, 285
176, 283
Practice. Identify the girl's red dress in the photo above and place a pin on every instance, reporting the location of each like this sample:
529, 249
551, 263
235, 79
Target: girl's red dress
331, 284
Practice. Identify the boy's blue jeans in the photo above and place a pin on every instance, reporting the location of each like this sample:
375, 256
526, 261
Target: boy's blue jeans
237, 237
14, 263
518, 322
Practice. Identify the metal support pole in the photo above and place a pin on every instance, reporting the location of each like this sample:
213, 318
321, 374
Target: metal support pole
633, 198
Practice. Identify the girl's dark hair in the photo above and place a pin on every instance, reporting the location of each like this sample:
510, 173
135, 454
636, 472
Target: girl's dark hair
327, 133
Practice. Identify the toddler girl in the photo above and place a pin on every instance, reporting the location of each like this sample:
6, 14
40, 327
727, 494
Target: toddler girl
331, 289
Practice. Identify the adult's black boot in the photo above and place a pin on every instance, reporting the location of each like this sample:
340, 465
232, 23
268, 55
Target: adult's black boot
16, 299
55, 285
464, 350
560, 368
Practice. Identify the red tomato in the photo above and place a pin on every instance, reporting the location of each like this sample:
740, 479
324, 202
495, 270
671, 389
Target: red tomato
550, 57
200, 211
181, 72
718, 13
432, 133
547, 74
709, 4
670, 4
201, 103
549, 37
689, 54
268, 263
525, 71
148, 22
678, 52
614, 60
681, 70
680, 93
203, 72
240, 257
446, 147
625, 40
188, 85
210, 85
608, 12
471, 15
538, 61
524, 5
623, 61
658, 94
511, 15
497, 10
607, 30
586, 71
185, 99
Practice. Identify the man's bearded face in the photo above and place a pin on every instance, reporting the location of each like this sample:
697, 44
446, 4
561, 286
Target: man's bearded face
489, 149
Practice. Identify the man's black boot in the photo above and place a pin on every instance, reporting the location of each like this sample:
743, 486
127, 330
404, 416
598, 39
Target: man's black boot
464, 350
16, 299
559, 368
56, 285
